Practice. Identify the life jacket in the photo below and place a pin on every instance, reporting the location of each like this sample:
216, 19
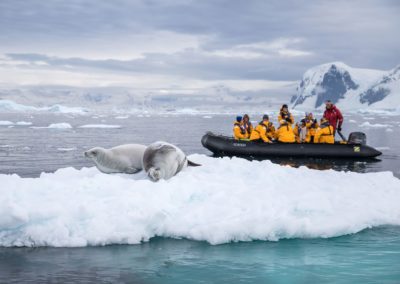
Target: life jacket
285, 116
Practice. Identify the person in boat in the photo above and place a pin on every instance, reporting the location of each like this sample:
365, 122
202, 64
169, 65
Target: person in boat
333, 115
271, 131
260, 132
325, 133
238, 130
285, 115
247, 126
312, 126
285, 133
300, 131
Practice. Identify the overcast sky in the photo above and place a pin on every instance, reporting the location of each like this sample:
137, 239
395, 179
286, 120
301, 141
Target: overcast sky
189, 44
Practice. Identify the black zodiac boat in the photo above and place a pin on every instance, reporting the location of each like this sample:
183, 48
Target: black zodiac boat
355, 148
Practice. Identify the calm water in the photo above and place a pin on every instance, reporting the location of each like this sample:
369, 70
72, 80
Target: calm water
372, 256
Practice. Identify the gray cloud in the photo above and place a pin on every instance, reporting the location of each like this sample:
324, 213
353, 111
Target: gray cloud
360, 33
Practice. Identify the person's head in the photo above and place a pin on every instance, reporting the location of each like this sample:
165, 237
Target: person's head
328, 104
246, 118
309, 115
285, 108
265, 117
239, 118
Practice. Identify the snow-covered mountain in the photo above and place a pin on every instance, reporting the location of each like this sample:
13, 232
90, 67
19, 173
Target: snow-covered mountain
349, 88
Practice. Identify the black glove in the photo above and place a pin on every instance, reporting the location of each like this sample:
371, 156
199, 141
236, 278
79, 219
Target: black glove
288, 119
339, 128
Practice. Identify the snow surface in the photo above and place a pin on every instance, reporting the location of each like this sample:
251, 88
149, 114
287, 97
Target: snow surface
224, 200
100, 126
366, 79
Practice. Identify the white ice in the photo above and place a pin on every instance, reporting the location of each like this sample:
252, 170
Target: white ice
61, 125
100, 126
367, 124
224, 200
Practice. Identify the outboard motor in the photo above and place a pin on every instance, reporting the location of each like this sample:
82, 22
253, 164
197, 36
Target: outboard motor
357, 138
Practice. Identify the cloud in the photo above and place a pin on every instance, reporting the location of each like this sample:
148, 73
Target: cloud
198, 40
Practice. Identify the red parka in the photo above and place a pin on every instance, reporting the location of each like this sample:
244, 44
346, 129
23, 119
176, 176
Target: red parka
334, 116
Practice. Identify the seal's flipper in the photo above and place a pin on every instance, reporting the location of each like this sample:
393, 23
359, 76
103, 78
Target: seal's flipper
132, 170
192, 164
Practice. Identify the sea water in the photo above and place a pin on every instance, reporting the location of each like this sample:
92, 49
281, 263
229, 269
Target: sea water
35, 143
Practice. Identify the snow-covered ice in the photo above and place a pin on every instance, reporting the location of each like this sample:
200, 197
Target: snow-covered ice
23, 123
224, 200
100, 126
11, 106
6, 123
367, 124
61, 125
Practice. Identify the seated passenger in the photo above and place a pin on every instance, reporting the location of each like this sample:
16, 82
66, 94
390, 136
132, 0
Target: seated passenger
247, 126
325, 133
238, 130
285, 132
285, 115
312, 125
300, 131
271, 131
261, 130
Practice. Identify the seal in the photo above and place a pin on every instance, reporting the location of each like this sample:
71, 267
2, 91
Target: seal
125, 158
162, 160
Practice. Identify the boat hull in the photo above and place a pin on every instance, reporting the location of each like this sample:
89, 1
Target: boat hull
227, 146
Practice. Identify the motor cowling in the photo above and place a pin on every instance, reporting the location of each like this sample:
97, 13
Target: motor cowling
357, 138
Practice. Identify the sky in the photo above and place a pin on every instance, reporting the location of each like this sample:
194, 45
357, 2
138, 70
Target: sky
185, 44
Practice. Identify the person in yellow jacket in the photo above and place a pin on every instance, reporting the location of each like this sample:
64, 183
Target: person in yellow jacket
271, 131
261, 130
238, 130
246, 125
312, 126
285, 115
285, 132
325, 133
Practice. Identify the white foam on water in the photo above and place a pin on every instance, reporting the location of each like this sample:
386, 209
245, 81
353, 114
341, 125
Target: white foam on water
222, 201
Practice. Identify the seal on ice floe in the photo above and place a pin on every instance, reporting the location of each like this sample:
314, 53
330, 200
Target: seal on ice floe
162, 160
120, 159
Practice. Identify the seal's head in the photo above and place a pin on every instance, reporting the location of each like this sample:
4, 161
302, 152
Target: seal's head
93, 153
154, 174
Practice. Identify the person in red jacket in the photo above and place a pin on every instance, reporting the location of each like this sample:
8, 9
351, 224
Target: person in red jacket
333, 115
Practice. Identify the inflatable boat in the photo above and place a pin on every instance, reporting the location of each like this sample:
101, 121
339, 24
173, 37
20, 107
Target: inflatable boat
354, 148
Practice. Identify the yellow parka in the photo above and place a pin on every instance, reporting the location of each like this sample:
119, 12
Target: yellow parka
238, 132
324, 134
285, 133
260, 132
312, 126
271, 131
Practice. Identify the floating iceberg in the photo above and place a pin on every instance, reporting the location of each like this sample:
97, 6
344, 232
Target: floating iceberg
222, 201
